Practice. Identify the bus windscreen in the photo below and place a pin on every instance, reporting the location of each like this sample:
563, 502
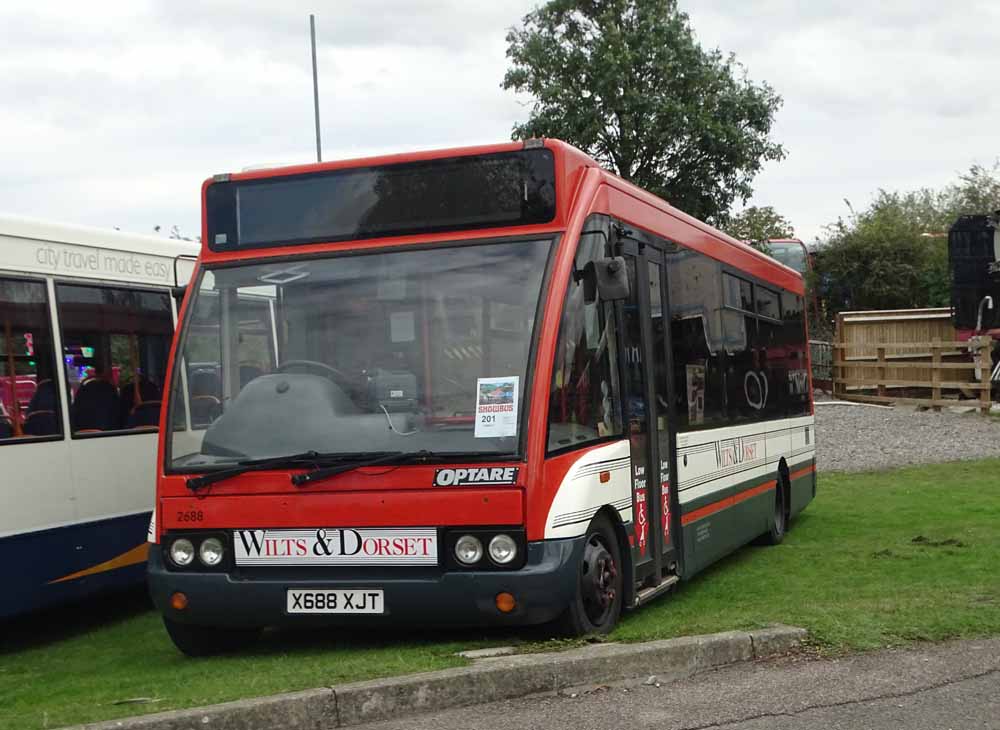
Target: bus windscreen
458, 193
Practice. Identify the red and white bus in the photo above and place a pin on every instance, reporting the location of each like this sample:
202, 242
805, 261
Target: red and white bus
490, 385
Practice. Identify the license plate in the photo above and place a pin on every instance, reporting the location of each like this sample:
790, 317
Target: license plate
360, 600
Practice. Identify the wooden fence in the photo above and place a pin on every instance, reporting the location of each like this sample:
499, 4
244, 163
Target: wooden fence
909, 356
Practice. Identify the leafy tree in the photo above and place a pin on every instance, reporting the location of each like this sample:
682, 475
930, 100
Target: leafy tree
758, 224
884, 258
976, 192
894, 254
626, 81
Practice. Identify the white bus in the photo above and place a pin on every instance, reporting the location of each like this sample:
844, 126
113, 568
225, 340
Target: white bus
86, 320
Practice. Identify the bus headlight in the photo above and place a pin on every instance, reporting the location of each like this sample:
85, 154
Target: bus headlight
181, 552
468, 550
211, 551
503, 549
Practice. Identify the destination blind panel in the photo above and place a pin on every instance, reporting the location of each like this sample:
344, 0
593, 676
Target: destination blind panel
458, 193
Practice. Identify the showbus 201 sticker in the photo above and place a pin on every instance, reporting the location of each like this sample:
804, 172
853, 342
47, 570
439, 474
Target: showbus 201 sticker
496, 407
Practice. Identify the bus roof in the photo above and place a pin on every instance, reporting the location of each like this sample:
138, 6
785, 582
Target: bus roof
33, 229
577, 158
570, 162
56, 249
735, 247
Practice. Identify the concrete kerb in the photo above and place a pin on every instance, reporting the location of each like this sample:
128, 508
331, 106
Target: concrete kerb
487, 680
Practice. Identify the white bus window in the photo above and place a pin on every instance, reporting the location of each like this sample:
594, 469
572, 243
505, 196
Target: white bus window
29, 402
115, 346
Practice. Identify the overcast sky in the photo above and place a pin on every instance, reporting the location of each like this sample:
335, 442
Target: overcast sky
113, 113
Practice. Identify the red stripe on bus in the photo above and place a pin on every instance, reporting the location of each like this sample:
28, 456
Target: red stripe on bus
729, 501
754, 491
711, 509
802, 472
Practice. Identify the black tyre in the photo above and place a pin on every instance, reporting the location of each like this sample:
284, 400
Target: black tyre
597, 604
196, 641
778, 524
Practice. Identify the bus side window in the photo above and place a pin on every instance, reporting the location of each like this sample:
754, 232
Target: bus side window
29, 402
584, 397
115, 346
698, 340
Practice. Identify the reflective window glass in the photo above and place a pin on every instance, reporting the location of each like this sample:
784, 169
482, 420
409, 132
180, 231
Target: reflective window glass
583, 401
697, 337
29, 401
115, 347
398, 350
767, 303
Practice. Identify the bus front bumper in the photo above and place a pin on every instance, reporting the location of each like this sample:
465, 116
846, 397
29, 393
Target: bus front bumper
542, 590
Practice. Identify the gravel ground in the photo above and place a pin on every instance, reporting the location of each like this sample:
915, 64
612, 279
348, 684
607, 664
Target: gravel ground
863, 438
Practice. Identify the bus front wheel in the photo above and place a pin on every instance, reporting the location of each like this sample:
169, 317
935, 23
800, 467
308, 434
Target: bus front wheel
597, 602
197, 641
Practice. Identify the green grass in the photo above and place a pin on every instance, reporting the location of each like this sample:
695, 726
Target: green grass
878, 559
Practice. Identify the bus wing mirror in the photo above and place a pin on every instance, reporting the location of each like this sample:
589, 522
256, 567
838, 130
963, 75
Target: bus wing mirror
178, 293
611, 278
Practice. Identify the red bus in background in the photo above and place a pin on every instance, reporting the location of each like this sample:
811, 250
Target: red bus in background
489, 385
792, 253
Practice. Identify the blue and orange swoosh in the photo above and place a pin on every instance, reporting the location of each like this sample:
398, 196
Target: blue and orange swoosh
134, 556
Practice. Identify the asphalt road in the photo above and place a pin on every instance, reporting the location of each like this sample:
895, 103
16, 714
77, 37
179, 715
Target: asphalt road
955, 685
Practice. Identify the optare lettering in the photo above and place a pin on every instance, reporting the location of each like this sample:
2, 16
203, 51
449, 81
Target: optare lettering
490, 475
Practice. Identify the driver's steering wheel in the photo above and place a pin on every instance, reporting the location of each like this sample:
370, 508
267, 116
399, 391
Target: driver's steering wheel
338, 375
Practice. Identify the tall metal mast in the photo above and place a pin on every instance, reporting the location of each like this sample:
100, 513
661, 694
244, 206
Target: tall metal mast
312, 34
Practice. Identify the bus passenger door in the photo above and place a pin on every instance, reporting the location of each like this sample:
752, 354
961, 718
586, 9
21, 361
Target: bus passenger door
668, 522
644, 379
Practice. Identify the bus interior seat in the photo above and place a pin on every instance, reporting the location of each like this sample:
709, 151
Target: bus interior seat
148, 391
41, 423
206, 404
6, 429
96, 407
205, 409
144, 415
42, 419
44, 397
204, 382
248, 373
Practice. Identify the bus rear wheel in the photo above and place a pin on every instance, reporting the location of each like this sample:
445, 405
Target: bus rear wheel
597, 602
198, 641
778, 524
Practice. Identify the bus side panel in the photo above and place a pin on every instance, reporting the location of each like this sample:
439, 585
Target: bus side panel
69, 563
114, 475
718, 523
727, 478
36, 489
588, 480
803, 486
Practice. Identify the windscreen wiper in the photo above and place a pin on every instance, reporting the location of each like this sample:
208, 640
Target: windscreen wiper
300, 480
304, 458
423, 455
